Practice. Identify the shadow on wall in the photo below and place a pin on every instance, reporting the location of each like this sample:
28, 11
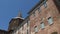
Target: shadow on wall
57, 3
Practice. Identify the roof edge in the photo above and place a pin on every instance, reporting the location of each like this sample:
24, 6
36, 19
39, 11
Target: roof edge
35, 6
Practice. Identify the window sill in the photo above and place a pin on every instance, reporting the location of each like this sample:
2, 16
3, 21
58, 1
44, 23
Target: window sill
42, 28
51, 24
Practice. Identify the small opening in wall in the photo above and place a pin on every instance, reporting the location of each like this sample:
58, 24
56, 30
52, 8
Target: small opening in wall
55, 33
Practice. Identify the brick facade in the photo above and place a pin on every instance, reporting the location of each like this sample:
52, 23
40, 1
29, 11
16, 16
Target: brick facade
37, 16
42, 16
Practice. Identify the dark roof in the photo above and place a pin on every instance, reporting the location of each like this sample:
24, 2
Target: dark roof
36, 6
15, 19
3, 30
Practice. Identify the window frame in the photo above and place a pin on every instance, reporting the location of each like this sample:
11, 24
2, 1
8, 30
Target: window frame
42, 24
35, 29
50, 19
34, 13
39, 9
45, 4
28, 23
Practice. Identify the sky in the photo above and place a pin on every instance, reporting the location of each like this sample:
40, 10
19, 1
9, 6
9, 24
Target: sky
10, 9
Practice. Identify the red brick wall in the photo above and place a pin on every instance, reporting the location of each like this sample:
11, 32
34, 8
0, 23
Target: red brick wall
49, 11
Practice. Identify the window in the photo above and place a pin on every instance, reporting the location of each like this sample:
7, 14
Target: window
39, 9
27, 31
50, 20
36, 29
42, 25
33, 13
28, 23
22, 33
45, 4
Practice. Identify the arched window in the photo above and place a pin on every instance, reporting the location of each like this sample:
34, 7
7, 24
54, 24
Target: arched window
55, 33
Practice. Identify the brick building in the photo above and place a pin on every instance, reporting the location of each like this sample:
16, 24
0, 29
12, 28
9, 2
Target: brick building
43, 18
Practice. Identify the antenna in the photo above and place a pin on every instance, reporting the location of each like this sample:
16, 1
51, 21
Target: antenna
20, 13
